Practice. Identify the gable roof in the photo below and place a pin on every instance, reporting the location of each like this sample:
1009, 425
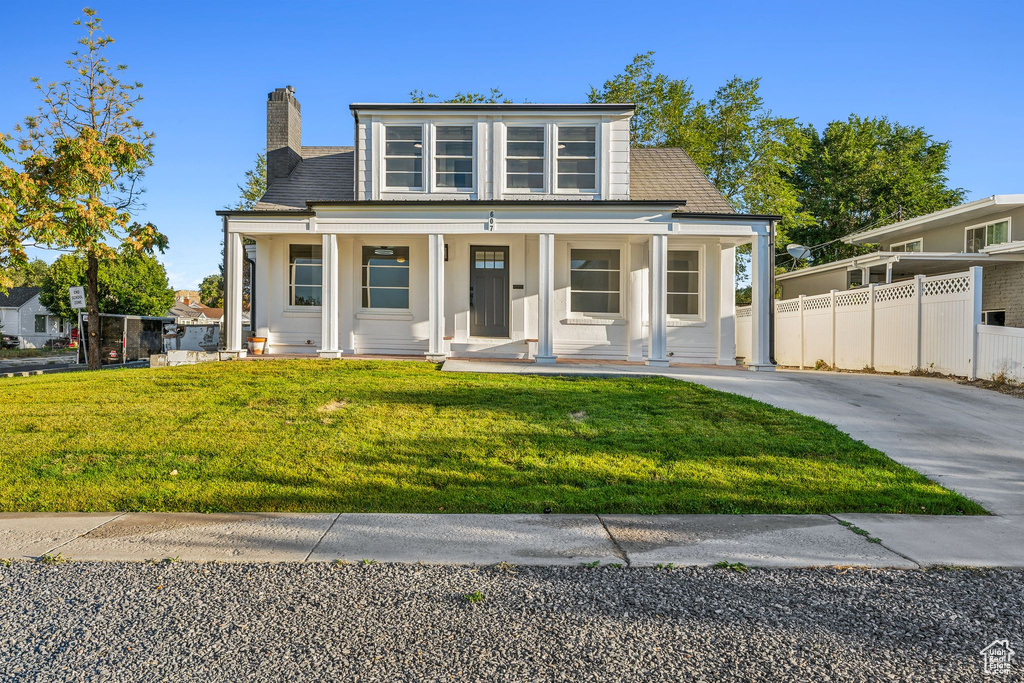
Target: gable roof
16, 297
325, 174
977, 209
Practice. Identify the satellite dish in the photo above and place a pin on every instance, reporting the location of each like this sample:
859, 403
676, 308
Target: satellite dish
799, 252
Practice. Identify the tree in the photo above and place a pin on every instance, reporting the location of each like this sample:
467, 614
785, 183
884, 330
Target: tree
130, 283
86, 154
28, 274
211, 291
495, 96
254, 186
865, 172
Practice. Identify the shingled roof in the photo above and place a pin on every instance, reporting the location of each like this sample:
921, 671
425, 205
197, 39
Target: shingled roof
325, 174
16, 297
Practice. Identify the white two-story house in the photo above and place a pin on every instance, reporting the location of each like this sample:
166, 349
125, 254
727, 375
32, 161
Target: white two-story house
491, 230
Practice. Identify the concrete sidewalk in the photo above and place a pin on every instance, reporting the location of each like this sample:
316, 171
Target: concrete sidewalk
572, 540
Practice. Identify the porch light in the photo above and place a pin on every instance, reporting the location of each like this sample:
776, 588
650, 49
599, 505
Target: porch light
400, 259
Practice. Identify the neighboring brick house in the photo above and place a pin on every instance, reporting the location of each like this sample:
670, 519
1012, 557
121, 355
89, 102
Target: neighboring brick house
22, 315
988, 232
491, 230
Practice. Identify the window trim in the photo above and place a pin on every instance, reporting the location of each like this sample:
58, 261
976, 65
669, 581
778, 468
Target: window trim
434, 187
623, 272
556, 126
369, 312
35, 324
701, 276
290, 286
546, 173
985, 224
905, 243
985, 312
424, 142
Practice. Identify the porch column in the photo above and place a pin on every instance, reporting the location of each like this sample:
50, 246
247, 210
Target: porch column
435, 298
635, 262
546, 300
234, 249
727, 308
329, 298
762, 300
657, 343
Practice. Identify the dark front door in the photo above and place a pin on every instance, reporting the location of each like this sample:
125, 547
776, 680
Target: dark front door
488, 291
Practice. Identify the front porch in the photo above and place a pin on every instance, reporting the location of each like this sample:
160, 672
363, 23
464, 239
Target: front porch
630, 295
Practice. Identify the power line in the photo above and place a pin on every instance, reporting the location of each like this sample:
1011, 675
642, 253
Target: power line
812, 249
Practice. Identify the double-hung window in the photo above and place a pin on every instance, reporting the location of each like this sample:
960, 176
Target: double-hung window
453, 157
40, 324
524, 158
577, 158
911, 246
982, 236
403, 157
683, 282
305, 274
386, 277
594, 281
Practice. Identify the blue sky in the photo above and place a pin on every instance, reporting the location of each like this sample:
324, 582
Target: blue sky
953, 68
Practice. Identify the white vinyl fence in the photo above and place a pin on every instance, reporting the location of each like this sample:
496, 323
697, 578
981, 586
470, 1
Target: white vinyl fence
928, 323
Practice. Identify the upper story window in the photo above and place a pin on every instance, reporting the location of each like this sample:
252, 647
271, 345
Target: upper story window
577, 158
911, 246
981, 236
305, 273
385, 277
453, 157
403, 157
524, 158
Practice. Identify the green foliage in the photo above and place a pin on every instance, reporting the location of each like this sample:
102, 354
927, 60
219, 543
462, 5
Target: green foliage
254, 186
211, 291
495, 96
28, 274
474, 597
866, 172
129, 284
738, 567
415, 439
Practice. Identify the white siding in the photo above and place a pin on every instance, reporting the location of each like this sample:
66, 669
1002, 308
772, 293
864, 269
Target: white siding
618, 159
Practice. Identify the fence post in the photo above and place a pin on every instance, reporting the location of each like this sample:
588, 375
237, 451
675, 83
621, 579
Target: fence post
974, 309
919, 306
833, 309
801, 331
871, 326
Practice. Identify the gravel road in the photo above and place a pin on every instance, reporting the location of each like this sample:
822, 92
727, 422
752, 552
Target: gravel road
235, 622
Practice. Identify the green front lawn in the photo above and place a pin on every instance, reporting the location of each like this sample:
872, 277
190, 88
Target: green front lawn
405, 437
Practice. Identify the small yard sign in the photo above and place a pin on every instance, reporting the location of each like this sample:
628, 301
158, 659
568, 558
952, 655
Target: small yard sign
77, 297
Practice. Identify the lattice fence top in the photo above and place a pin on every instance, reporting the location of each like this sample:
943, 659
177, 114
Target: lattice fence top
743, 312
948, 285
788, 306
858, 297
817, 303
904, 290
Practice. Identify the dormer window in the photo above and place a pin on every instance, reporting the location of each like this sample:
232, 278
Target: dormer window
524, 158
577, 158
403, 157
453, 157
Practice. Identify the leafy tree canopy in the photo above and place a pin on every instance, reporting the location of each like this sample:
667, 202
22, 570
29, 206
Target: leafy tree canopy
866, 172
29, 274
254, 186
129, 284
495, 96
211, 291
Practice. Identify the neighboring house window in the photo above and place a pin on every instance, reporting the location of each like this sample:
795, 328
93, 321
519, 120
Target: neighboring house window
684, 283
305, 273
453, 156
993, 318
911, 246
385, 277
982, 236
403, 157
524, 158
594, 280
40, 324
577, 158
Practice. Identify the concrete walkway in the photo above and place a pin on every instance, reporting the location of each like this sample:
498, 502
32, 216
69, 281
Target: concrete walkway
572, 540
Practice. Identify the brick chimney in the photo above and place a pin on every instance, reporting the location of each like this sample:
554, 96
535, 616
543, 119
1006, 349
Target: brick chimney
284, 133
